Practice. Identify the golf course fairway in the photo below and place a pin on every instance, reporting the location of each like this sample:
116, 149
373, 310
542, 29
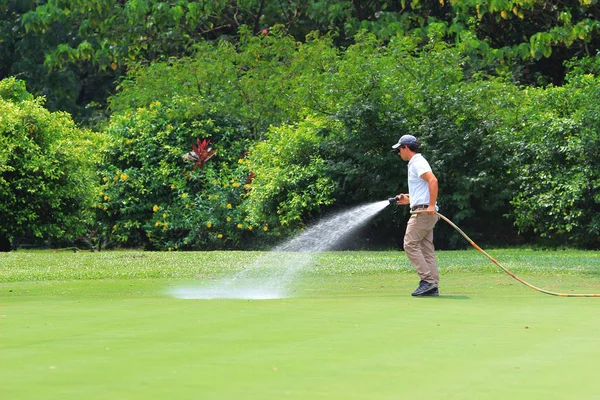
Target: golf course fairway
338, 336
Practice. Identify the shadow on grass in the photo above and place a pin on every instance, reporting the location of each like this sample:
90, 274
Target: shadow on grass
453, 297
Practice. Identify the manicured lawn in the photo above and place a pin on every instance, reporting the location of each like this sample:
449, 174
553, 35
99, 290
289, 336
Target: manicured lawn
103, 326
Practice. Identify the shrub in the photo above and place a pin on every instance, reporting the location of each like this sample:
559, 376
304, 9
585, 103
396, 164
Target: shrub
291, 181
559, 186
152, 196
46, 169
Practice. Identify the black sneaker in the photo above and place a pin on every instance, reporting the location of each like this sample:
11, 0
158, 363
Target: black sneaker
432, 293
426, 289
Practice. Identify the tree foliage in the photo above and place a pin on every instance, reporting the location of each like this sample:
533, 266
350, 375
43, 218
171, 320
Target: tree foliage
152, 196
559, 179
291, 176
46, 169
72, 51
301, 101
319, 136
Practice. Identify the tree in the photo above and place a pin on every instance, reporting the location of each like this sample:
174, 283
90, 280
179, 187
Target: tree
559, 180
73, 52
46, 169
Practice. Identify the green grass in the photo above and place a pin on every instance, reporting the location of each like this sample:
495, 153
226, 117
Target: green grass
101, 326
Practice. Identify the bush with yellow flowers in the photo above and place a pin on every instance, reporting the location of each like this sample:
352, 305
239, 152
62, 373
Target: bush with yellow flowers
152, 196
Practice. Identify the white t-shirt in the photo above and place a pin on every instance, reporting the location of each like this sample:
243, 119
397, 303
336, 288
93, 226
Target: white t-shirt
418, 188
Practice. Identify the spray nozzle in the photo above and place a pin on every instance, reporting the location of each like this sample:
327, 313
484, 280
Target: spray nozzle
394, 200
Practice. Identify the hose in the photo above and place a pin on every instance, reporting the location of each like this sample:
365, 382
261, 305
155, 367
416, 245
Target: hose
507, 270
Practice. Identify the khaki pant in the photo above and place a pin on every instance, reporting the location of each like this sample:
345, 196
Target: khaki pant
418, 245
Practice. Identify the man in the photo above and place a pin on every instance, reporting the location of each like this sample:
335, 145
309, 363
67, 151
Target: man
422, 197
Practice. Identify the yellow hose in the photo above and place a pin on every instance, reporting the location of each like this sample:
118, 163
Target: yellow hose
506, 270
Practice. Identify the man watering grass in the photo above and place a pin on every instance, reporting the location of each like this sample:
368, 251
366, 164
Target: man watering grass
422, 196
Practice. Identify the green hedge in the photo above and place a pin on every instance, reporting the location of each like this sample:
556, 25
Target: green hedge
47, 170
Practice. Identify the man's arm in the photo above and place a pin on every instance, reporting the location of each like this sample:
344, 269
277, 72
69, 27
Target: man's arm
433, 190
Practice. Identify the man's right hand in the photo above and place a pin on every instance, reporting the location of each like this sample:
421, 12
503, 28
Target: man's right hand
403, 198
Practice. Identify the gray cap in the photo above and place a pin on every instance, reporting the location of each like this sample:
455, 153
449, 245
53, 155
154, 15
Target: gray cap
406, 140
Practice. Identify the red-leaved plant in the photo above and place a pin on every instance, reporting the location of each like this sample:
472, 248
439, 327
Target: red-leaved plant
200, 153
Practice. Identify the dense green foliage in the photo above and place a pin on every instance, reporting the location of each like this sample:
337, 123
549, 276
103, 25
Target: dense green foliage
72, 51
152, 196
46, 169
334, 116
292, 179
559, 176
301, 124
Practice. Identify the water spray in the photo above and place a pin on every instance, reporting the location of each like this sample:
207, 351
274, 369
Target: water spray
271, 275
393, 200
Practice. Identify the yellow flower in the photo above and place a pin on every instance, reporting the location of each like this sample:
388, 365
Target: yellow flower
220, 236
155, 208
228, 219
265, 228
172, 186
184, 195
240, 226
185, 242
124, 177
128, 141
114, 227
250, 228
216, 197
187, 206
228, 205
237, 184
165, 216
157, 223
106, 198
170, 249
105, 179
209, 225
240, 161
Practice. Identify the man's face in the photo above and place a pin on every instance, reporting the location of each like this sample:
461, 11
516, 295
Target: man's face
402, 152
